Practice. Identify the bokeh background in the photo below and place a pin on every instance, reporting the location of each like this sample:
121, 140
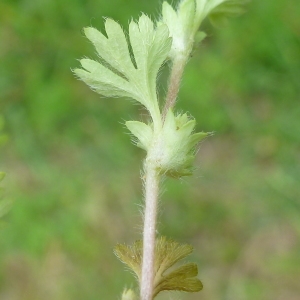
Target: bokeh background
73, 176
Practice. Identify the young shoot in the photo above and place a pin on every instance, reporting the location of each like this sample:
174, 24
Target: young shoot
128, 67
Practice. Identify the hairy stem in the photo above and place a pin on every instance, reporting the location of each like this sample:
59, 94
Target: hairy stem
152, 190
174, 83
151, 197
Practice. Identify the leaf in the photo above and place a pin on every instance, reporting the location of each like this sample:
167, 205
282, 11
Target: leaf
181, 279
167, 254
103, 80
143, 133
131, 256
218, 9
180, 23
195, 138
230, 8
120, 74
184, 21
128, 294
186, 12
177, 145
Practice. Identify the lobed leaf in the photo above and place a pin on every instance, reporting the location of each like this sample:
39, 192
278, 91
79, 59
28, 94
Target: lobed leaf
167, 253
181, 279
184, 21
131, 256
103, 80
120, 74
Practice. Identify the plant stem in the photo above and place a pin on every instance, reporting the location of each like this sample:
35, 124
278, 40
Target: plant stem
152, 190
151, 197
174, 83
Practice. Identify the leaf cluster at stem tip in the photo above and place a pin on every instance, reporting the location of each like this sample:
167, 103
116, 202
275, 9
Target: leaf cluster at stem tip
128, 67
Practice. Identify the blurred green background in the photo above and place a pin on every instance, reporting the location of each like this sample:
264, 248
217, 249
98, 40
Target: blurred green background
74, 176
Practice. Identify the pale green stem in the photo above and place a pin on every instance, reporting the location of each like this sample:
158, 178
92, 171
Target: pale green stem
152, 184
174, 83
151, 198
152, 189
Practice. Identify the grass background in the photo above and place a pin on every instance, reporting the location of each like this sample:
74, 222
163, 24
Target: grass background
73, 175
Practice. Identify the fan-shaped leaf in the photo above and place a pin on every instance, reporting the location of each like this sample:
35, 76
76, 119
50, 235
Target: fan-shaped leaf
117, 73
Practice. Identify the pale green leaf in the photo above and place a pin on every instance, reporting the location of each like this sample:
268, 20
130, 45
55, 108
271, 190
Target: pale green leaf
120, 74
114, 49
218, 9
169, 128
178, 145
118, 47
150, 49
188, 127
186, 13
142, 131
103, 80
128, 294
184, 21
195, 138
181, 119
158, 53
169, 14
180, 23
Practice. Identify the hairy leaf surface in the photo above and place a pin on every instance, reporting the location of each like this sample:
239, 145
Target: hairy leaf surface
120, 73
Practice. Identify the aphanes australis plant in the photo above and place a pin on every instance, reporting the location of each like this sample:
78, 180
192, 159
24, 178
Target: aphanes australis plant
128, 67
